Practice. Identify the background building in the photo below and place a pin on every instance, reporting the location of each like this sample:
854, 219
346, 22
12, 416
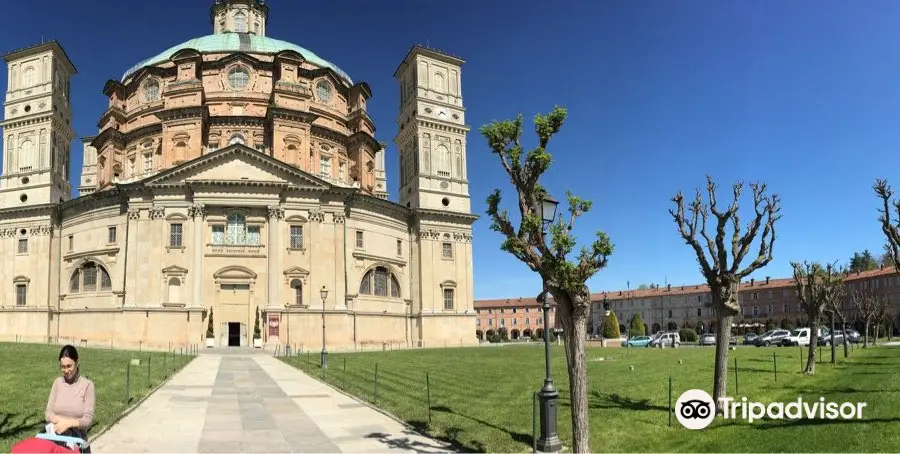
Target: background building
235, 173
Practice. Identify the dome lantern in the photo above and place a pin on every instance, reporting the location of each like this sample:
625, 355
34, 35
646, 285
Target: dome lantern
239, 16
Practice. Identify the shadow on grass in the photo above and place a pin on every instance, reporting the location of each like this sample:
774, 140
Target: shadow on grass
11, 428
614, 400
516, 436
821, 422
846, 390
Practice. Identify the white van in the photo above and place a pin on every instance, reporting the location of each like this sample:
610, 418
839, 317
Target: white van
800, 336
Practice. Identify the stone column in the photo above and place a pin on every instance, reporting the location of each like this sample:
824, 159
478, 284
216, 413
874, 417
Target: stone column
197, 212
276, 213
131, 245
340, 297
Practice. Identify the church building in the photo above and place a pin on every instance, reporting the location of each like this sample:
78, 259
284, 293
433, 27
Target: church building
235, 180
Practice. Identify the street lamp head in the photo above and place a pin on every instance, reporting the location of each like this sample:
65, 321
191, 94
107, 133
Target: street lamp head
324, 292
546, 208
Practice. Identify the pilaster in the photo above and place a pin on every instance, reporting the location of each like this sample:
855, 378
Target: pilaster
197, 212
273, 258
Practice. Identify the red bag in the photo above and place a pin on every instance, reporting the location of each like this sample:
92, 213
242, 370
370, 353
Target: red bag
39, 445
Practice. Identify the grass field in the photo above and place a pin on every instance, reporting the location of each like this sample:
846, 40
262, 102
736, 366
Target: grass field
481, 398
28, 371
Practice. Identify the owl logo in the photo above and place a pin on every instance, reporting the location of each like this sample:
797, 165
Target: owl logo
694, 409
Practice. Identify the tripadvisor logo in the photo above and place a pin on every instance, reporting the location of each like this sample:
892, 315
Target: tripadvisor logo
695, 409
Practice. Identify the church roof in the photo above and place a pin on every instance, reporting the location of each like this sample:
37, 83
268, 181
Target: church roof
238, 42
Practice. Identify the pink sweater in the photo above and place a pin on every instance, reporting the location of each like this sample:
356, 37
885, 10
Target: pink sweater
74, 401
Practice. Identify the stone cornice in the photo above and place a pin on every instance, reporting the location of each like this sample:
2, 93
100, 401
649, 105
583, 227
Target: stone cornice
109, 134
282, 113
379, 205
236, 120
183, 113
442, 126
113, 111
362, 137
44, 209
436, 215
92, 253
330, 134
377, 258
95, 200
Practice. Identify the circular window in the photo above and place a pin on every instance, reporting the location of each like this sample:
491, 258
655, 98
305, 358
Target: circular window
25, 180
445, 201
23, 197
323, 91
27, 108
151, 90
22, 232
238, 78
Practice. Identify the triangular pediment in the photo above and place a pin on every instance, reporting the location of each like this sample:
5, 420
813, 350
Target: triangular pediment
236, 164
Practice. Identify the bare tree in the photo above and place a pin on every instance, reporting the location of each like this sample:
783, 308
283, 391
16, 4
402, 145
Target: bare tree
723, 279
565, 280
866, 303
837, 311
817, 289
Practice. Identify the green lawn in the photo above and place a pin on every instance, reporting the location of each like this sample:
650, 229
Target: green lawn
481, 398
28, 371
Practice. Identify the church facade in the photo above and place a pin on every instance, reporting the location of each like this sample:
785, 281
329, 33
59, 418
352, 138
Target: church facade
235, 181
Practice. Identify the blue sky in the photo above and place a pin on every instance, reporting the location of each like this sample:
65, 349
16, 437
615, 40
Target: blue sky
802, 95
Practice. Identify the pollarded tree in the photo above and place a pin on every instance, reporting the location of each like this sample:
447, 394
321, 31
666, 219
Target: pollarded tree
564, 279
866, 302
817, 288
723, 279
637, 325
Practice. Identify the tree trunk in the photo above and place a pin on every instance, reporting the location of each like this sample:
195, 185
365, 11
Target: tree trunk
575, 332
866, 335
723, 336
813, 340
831, 333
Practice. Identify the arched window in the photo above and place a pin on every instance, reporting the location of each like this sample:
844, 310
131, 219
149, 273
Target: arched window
151, 90
26, 155
240, 22
297, 287
90, 277
236, 231
174, 290
323, 91
443, 160
237, 138
380, 282
28, 77
238, 78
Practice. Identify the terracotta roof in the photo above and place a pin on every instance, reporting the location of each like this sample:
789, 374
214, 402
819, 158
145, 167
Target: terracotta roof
509, 303
756, 285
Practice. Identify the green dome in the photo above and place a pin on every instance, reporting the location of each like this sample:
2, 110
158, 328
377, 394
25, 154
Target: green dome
238, 42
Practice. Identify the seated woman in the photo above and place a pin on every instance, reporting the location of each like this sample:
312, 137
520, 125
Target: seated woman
71, 404
70, 407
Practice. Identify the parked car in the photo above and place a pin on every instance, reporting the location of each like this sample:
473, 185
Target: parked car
669, 339
636, 341
801, 336
708, 339
773, 337
733, 340
838, 338
750, 338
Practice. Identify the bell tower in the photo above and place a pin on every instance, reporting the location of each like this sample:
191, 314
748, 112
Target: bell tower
37, 127
432, 132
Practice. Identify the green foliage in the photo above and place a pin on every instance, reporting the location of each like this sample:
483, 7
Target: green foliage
610, 328
688, 335
864, 261
637, 325
256, 333
209, 326
528, 242
770, 324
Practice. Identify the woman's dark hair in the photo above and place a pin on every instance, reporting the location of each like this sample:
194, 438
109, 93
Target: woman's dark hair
69, 351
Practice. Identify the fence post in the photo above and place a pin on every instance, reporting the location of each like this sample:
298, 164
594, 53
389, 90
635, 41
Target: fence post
128, 382
428, 394
801, 359
775, 365
149, 377
670, 401
736, 376
345, 373
165, 365
534, 398
376, 383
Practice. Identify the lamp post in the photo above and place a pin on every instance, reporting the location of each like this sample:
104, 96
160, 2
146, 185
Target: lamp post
324, 294
548, 395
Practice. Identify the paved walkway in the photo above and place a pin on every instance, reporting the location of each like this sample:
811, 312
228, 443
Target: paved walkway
255, 403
